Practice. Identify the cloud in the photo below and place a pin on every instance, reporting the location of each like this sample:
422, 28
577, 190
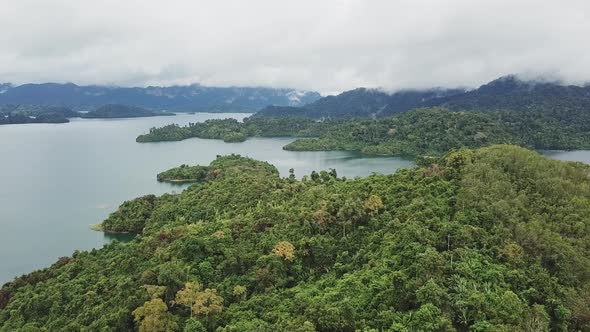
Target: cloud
329, 45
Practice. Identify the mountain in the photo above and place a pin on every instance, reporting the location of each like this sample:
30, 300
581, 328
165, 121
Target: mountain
122, 111
180, 98
513, 93
361, 102
505, 93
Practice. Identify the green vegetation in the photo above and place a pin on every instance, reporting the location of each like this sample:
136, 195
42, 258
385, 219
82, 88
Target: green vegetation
231, 130
17, 114
131, 215
184, 173
493, 239
122, 111
432, 131
505, 93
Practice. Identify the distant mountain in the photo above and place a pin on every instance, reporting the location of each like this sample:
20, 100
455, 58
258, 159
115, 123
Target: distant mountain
505, 93
177, 98
122, 111
511, 93
361, 102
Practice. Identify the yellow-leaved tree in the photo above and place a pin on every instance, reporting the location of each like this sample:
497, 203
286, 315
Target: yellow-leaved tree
373, 204
285, 250
203, 303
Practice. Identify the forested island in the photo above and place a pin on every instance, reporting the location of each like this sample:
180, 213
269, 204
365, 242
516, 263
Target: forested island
492, 239
19, 114
428, 131
122, 111
231, 130
184, 173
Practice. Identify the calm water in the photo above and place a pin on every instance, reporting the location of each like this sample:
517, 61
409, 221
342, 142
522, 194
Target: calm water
576, 155
56, 180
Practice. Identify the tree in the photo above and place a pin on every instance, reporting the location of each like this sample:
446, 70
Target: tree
285, 250
153, 316
373, 204
201, 302
193, 325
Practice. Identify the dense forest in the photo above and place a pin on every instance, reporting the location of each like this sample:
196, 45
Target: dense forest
493, 239
361, 103
505, 93
184, 173
432, 131
231, 130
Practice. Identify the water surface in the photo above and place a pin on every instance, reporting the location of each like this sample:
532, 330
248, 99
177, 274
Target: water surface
57, 179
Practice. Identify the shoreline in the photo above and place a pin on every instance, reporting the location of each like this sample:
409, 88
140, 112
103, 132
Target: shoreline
99, 228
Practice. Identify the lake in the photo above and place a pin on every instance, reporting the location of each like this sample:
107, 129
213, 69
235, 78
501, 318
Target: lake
58, 179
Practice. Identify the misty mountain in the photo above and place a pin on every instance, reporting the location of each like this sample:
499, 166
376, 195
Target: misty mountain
504, 93
511, 93
178, 98
361, 102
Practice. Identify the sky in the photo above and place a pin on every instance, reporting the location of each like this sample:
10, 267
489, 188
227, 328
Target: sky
323, 45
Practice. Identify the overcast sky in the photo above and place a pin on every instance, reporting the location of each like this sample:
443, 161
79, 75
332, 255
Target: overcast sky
321, 45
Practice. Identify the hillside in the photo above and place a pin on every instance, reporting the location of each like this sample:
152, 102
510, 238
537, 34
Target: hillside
122, 111
505, 93
363, 103
175, 98
493, 239
511, 93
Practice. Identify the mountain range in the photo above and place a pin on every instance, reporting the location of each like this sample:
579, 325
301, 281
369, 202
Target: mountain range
505, 93
175, 98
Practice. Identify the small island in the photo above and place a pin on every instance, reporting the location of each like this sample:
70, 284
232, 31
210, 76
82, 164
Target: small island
184, 174
112, 111
20, 114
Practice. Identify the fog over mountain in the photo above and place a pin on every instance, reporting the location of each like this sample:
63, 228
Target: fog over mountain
326, 46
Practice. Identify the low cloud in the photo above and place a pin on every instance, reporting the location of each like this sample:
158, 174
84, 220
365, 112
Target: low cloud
328, 46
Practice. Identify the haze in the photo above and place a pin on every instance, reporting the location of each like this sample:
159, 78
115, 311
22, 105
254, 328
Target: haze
327, 46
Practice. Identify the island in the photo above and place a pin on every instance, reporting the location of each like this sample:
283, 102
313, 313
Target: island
20, 114
184, 174
486, 239
232, 130
425, 131
111, 111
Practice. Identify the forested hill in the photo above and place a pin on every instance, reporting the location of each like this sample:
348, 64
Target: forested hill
512, 93
181, 98
361, 102
505, 93
494, 239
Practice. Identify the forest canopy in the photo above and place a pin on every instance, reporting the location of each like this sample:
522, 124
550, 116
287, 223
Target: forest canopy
490, 239
428, 131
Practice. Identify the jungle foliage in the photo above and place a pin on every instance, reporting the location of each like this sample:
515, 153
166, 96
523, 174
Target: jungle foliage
491, 239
